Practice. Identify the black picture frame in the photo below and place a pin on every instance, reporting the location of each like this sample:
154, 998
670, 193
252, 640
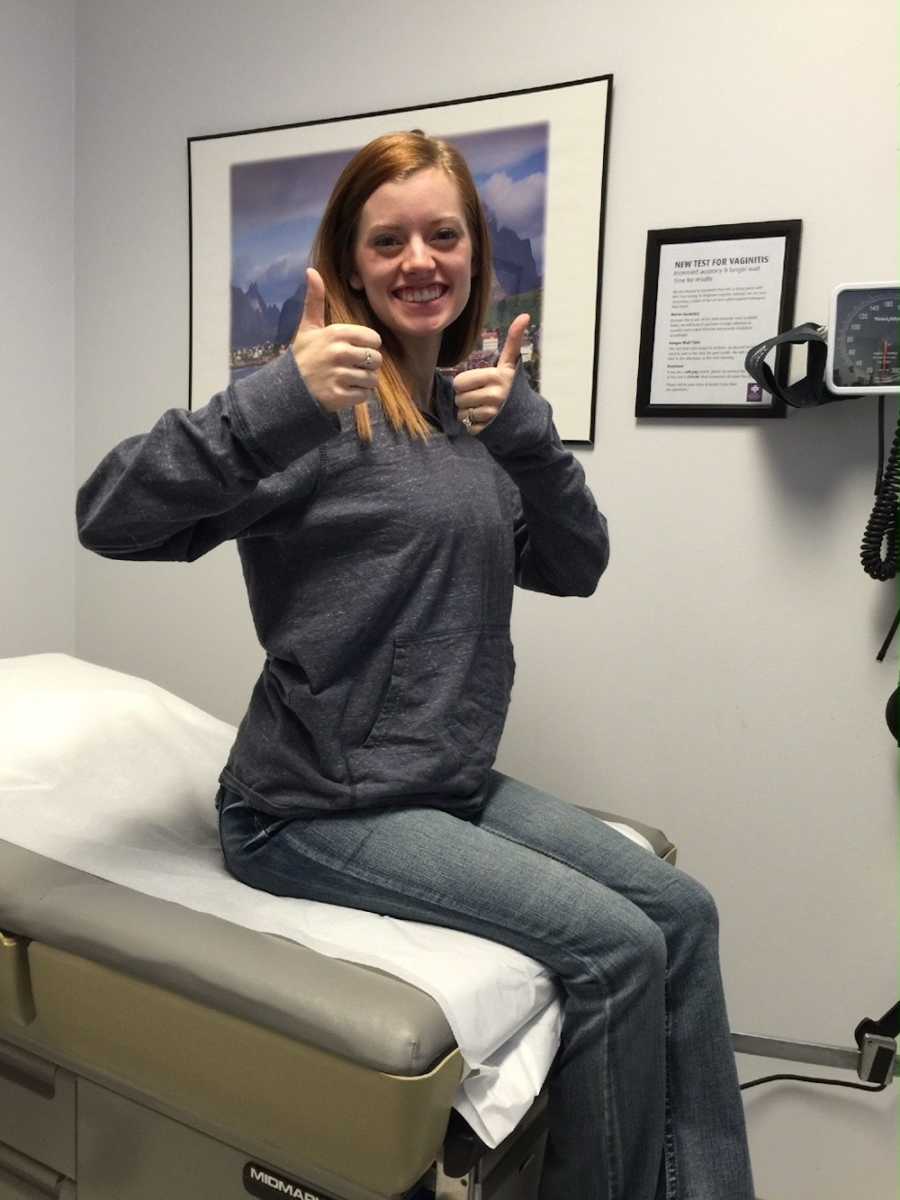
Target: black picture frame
752, 408
550, 142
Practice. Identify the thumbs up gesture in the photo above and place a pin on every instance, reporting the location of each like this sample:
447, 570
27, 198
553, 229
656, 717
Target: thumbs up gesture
482, 392
340, 364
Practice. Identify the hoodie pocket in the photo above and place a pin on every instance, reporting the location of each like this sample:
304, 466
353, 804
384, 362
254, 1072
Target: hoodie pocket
448, 692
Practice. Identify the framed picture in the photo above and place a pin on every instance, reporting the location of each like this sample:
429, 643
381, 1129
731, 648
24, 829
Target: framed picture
538, 157
710, 293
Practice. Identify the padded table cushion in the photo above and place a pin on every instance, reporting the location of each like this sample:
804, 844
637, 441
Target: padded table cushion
391, 1026
337, 1072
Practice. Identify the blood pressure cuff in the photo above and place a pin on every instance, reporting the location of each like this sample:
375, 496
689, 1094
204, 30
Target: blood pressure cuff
806, 392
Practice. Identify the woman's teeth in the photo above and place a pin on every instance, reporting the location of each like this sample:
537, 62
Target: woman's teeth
420, 296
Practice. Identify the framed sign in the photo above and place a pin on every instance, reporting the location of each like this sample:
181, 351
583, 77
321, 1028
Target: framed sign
538, 158
710, 293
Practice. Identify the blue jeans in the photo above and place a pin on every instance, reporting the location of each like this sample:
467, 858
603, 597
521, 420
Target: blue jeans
643, 1097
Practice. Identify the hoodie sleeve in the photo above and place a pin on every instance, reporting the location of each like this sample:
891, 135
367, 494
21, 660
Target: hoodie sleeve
196, 478
561, 538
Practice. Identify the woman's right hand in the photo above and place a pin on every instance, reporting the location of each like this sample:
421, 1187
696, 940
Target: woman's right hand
331, 358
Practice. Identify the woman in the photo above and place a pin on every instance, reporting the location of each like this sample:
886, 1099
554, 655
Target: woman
383, 514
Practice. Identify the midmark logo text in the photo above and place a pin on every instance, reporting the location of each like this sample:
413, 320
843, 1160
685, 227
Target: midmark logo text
260, 1181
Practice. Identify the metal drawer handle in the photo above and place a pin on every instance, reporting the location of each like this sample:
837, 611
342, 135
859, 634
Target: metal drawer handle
27, 1070
19, 1168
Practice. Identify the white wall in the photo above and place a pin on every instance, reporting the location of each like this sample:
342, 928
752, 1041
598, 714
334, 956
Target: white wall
722, 682
37, 212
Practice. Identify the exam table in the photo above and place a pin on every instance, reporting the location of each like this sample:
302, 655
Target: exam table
149, 1051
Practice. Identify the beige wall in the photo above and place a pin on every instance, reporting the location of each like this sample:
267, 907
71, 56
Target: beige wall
37, 317
722, 682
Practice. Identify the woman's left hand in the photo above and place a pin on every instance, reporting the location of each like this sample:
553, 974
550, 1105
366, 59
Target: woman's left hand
482, 392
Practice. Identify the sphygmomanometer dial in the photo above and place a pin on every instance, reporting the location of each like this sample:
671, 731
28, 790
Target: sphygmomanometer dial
862, 347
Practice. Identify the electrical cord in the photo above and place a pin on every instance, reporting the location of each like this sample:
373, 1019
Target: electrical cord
881, 1035
860, 1087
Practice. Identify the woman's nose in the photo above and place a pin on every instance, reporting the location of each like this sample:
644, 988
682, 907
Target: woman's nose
418, 256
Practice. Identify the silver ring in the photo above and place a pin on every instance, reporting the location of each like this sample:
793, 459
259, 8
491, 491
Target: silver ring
467, 421
368, 359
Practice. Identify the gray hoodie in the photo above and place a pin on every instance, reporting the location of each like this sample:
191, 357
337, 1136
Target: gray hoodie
380, 577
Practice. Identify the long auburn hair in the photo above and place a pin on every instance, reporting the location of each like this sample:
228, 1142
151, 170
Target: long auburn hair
390, 158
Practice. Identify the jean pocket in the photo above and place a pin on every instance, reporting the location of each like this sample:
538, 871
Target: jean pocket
243, 829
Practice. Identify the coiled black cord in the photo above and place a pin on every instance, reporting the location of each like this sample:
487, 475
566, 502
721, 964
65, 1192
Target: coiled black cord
882, 527
878, 552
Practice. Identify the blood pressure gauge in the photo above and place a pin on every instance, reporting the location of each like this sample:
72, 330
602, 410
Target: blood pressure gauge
862, 346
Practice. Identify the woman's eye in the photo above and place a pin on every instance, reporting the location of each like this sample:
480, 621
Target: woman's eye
388, 239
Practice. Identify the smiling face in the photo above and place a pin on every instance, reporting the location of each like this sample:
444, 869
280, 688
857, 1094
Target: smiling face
413, 257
